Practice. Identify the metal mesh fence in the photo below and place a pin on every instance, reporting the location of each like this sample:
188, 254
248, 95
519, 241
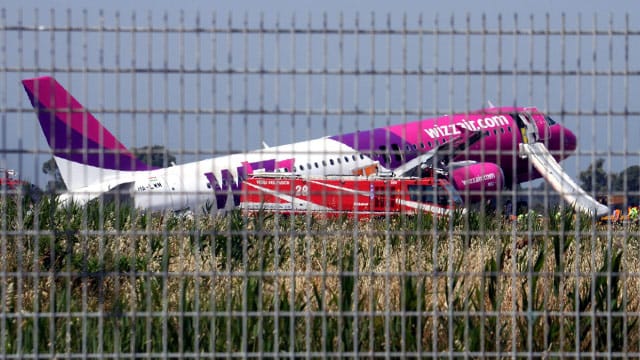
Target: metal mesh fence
109, 279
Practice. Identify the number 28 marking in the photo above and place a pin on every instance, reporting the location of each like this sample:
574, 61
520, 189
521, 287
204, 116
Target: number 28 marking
302, 190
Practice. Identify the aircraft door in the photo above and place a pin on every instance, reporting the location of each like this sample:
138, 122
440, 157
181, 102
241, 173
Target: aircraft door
541, 124
178, 192
527, 127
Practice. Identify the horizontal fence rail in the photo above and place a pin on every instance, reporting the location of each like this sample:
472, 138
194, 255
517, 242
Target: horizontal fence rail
194, 105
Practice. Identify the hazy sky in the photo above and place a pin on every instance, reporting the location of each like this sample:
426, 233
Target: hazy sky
600, 71
363, 6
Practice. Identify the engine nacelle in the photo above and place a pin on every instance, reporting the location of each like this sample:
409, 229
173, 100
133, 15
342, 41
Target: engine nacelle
477, 181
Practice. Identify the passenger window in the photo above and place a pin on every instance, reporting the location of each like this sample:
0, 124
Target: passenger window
396, 149
384, 154
331, 162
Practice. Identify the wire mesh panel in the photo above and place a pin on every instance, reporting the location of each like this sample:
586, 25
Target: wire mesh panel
180, 185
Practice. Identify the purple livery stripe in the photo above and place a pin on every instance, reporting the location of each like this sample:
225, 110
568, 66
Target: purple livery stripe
380, 144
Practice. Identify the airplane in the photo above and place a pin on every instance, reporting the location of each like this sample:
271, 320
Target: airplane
93, 162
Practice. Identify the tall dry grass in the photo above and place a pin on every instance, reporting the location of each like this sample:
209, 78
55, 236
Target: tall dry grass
104, 278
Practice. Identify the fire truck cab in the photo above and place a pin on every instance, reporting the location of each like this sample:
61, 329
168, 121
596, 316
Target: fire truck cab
9, 179
358, 195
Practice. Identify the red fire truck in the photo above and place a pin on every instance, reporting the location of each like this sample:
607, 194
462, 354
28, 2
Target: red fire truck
9, 179
361, 196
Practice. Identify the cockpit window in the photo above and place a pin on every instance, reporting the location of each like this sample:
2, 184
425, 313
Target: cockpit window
549, 120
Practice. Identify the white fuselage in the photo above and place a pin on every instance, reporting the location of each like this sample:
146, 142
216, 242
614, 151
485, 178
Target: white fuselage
193, 185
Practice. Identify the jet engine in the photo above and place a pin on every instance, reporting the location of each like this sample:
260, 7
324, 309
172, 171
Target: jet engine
477, 181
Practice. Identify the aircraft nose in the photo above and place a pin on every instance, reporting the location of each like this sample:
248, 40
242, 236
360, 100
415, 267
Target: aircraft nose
570, 141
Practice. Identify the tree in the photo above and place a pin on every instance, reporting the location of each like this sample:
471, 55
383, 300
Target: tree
51, 168
156, 155
628, 181
595, 178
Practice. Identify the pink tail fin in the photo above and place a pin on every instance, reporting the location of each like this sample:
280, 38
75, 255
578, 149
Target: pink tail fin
74, 135
72, 132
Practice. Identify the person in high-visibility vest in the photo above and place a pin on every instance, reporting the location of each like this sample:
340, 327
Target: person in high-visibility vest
633, 213
616, 215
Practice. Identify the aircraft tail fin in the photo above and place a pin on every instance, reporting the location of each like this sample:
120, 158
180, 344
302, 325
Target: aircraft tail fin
84, 150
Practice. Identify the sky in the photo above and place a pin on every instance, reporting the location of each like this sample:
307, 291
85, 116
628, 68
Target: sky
345, 6
189, 111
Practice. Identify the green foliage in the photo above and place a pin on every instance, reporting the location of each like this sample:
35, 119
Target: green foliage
56, 184
628, 181
156, 155
596, 179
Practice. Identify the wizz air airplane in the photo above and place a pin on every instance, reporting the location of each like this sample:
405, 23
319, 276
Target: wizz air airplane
93, 162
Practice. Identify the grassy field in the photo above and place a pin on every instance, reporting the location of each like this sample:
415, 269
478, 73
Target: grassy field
106, 279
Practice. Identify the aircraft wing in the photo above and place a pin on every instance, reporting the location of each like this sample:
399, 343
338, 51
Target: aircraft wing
438, 158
